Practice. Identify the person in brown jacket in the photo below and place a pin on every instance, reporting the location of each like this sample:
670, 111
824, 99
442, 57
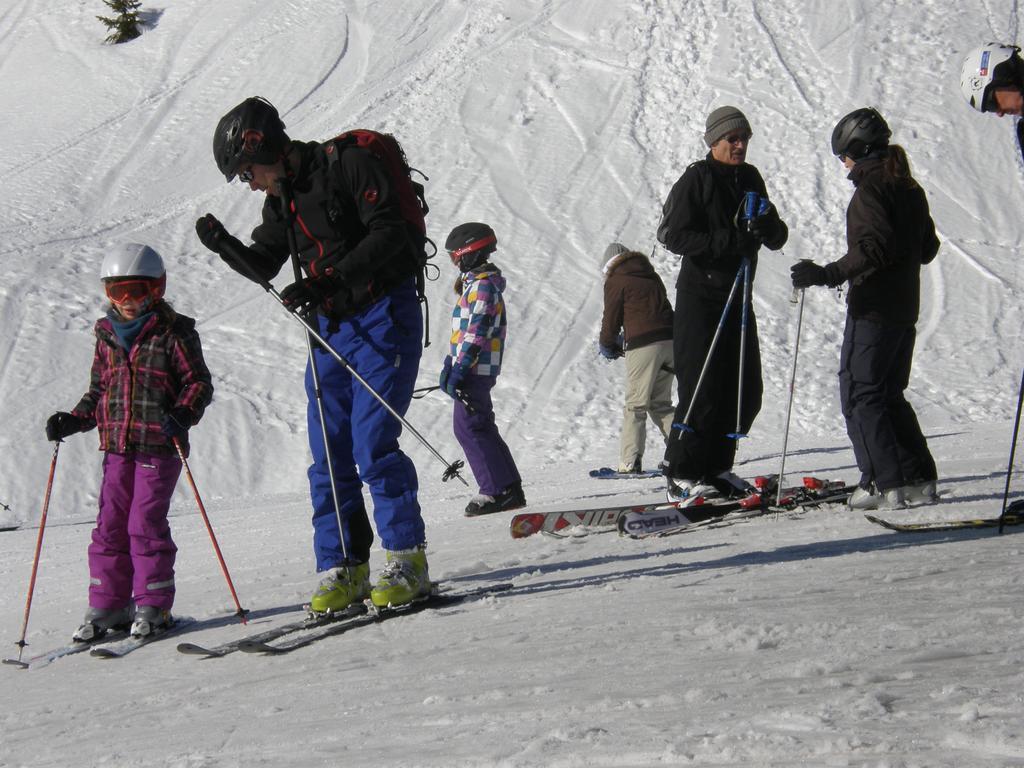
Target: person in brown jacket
635, 304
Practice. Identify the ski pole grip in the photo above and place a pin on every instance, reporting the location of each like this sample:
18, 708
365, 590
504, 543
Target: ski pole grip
749, 205
794, 297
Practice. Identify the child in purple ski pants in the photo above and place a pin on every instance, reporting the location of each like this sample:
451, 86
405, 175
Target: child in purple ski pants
471, 369
149, 384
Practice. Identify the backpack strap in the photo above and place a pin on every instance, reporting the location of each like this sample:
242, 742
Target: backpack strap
412, 200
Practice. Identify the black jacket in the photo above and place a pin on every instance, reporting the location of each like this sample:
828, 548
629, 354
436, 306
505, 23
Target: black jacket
698, 223
349, 226
889, 235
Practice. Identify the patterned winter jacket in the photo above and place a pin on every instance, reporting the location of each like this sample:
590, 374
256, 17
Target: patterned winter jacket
478, 320
130, 393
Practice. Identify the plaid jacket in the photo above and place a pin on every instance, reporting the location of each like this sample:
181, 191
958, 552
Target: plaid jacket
479, 320
130, 393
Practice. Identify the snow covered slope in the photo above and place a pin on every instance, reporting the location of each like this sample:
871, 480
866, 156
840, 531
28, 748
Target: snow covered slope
563, 124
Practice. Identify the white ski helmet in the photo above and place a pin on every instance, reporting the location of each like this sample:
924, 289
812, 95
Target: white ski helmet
132, 260
987, 68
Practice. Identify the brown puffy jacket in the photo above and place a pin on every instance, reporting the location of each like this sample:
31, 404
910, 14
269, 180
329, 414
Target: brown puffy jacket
634, 301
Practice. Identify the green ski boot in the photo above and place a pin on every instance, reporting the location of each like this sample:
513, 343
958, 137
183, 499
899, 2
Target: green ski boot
403, 580
340, 588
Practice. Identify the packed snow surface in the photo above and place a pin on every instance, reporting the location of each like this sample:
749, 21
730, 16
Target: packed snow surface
812, 639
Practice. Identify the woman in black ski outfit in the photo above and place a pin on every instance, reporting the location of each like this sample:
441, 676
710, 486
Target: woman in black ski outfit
889, 235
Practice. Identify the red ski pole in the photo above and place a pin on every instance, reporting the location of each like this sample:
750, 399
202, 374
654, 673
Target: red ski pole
35, 560
240, 613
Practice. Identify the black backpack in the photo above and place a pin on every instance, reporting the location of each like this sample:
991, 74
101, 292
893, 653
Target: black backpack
411, 199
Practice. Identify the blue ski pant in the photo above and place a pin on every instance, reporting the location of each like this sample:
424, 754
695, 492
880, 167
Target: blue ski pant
381, 344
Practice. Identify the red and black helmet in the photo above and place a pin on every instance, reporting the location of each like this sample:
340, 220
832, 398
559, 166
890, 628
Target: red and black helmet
252, 132
470, 244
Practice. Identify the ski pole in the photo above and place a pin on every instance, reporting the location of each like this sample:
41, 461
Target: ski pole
743, 350
419, 394
792, 390
314, 373
685, 426
240, 613
460, 395
35, 560
1013, 447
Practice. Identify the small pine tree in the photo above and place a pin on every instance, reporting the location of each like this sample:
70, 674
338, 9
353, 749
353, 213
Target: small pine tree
124, 26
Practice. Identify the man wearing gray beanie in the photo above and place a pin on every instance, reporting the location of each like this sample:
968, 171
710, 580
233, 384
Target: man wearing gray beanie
722, 122
704, 221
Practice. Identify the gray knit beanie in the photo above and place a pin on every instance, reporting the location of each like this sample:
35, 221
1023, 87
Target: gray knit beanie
723, 121
611, 253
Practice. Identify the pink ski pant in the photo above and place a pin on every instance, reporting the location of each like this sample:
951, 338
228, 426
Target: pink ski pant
132, 553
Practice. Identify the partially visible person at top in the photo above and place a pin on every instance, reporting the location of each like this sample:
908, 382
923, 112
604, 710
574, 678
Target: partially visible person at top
637, 325
992, 79
889, 235
471, 368
149, 385
704, 221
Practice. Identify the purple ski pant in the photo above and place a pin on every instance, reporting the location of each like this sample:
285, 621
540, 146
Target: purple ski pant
486, 452
132, 552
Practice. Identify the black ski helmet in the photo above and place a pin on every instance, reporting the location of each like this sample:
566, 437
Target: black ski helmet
859, 133
252, 132
470, 244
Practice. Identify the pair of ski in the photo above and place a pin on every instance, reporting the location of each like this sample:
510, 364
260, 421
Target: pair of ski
932, 526
293, 635
1014, 515
610, 473
114, 644
660, 518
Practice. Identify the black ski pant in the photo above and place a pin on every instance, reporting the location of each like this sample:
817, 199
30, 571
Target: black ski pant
874, 371
701, 448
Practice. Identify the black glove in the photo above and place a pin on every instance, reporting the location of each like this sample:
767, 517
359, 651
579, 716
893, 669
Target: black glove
176, 423
304, 296
766, 227
211, 232
746, 244
61, 425
230, 249
806, 273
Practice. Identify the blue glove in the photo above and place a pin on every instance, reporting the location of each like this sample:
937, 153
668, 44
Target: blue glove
176, 423
610, 353
446, 371
453, 374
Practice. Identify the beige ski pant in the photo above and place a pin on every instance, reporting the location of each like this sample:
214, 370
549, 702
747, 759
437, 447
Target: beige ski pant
649, 383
